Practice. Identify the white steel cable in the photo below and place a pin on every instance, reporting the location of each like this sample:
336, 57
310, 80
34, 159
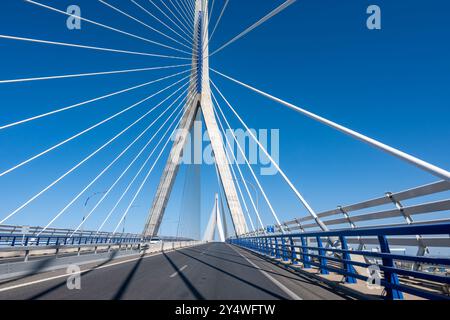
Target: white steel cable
110, 164
64, 175
275, 164
218, 21
426, 166
143, 23
236, 179
141, 185
170, 19
251, 169
176, 17
160, 21
86, 130
189, 11
107, 27
134, 159
204, 42
145, 179
90, 74
190, 4
79, 104
135, 177
183, 14
255, 208
255, 25
81, 46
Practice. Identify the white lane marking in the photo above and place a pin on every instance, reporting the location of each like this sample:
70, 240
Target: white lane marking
26, 284
177, 272
268, 276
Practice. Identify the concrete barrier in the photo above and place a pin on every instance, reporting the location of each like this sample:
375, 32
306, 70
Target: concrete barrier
45, 263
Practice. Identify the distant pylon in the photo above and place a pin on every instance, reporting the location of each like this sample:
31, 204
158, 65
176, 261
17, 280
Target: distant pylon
215, 221
200, 86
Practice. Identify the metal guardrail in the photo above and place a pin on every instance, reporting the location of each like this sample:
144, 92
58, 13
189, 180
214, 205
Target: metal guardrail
15, 236
351, 216
296, 249
25, 235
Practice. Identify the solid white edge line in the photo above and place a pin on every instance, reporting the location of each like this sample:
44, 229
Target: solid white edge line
84, 271
268, 276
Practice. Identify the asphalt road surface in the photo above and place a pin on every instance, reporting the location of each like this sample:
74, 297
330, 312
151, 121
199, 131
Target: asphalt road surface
214, 271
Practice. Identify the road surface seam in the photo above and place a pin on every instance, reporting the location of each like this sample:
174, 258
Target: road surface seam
268, 276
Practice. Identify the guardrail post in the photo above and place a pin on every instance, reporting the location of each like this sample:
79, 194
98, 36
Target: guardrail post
389, 277
284, 248
277, 250
322, 258
293, 253
272, 247
13, 243
346, 256
266, 247
305, 258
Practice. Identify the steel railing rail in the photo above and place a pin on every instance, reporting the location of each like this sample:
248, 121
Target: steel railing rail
298, 251
346, 216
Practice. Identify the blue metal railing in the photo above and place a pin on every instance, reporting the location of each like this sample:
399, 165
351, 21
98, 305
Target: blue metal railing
332, 254
12, 240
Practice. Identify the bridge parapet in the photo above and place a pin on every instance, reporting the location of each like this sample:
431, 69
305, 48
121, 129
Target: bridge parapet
392, 272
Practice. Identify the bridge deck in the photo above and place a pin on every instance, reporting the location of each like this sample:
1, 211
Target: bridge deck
210, 271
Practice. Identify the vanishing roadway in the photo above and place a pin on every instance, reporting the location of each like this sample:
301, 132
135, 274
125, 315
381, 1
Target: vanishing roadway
214, 271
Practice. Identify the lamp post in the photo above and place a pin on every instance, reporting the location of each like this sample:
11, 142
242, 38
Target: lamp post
85, 205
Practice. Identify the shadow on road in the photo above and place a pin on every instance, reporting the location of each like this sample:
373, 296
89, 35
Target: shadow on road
40, 265
63, 283
235, 277
186, 281
123, 287
296, 278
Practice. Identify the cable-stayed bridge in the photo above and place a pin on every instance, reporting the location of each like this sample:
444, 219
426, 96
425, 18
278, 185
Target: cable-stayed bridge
393, 246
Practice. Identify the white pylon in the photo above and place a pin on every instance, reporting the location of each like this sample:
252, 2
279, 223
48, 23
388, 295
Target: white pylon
200, 88
215, 221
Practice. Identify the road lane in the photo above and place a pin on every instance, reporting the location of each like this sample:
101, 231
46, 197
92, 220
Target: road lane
213, 271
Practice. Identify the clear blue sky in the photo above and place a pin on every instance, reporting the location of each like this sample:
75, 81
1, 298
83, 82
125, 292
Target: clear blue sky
391, 84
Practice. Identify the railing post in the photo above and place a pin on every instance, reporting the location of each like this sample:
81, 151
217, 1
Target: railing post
284, 249
293, 253
389, 277
322, 258
305, 258
272, 247
277, 250
348, 267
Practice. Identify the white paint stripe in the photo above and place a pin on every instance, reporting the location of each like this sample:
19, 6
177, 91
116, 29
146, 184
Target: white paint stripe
26, 284
177, 272
268, 276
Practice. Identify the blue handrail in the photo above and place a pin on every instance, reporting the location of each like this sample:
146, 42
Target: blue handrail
294, 247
